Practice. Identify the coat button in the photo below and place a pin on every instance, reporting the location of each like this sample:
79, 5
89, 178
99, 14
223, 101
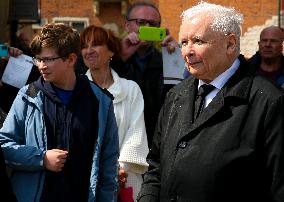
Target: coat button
182, 145
173, 198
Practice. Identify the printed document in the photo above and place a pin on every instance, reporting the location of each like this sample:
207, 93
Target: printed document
17, 71
173, 66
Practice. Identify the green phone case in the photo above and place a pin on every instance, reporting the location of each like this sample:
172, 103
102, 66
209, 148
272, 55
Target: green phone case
151, 33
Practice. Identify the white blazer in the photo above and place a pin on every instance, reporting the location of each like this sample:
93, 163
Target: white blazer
129, 112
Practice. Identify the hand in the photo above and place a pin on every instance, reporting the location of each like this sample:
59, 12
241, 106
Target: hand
55, 159
14, 52
129, 45
122, 177
169, 42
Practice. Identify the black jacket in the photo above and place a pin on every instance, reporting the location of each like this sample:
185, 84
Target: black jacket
151, 83
6, 191
278, 79
232, 152
72, 127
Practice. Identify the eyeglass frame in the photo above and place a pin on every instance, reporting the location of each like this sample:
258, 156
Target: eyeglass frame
143, 22
36, 60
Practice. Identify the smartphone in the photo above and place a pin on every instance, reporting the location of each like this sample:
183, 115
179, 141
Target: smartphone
3, 50
151, 33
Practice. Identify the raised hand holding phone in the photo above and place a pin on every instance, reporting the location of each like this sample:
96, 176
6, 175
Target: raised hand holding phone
151, 33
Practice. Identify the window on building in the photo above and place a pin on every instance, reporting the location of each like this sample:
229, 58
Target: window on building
77, 23
42, 22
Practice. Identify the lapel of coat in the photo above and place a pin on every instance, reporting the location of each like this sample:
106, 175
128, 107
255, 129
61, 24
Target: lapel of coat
188, 125
185, 107
236, 90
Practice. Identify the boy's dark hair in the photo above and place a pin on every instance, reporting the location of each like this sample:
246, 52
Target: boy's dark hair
60, 37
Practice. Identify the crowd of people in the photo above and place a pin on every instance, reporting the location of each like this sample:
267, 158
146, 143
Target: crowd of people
95, 121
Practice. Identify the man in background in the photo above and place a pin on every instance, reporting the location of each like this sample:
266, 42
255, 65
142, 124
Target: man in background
142, 62
269, 60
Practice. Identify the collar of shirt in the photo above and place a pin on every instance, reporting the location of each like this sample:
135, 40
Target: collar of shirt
220, 81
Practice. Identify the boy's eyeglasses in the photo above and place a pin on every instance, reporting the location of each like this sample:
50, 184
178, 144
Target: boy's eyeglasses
37, 61
144, 22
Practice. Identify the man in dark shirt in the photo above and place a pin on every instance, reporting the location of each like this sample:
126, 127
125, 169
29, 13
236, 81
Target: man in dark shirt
269, 60
142, 62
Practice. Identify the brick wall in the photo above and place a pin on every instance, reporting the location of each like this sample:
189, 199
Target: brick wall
108, 12
257, 13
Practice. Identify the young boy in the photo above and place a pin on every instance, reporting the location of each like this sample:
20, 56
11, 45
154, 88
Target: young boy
60, 136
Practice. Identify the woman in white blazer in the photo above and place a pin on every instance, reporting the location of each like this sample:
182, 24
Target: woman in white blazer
98, 46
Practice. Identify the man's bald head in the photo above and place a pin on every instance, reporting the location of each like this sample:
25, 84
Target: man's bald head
270, 43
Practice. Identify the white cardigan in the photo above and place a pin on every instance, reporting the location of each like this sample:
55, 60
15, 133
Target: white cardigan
129, 112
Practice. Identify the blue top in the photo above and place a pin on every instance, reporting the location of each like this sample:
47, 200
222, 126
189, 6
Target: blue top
64, 95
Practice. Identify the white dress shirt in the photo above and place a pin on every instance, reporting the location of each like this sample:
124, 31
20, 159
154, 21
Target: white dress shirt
220, 81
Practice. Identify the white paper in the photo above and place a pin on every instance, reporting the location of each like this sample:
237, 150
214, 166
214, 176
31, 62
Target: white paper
173, 66
17, 70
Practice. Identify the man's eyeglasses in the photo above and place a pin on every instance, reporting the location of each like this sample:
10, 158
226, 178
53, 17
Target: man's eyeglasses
144, 22
37, 61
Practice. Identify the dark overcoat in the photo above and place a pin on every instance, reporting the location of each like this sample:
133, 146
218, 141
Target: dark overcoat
233, 152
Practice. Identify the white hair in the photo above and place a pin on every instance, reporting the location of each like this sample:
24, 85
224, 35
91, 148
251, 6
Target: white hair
224, 19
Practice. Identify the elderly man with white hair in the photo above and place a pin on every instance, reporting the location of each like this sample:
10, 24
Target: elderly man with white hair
219, 137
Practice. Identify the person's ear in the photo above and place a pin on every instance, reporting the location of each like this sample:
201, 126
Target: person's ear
110, 53
72, 58
231, 43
